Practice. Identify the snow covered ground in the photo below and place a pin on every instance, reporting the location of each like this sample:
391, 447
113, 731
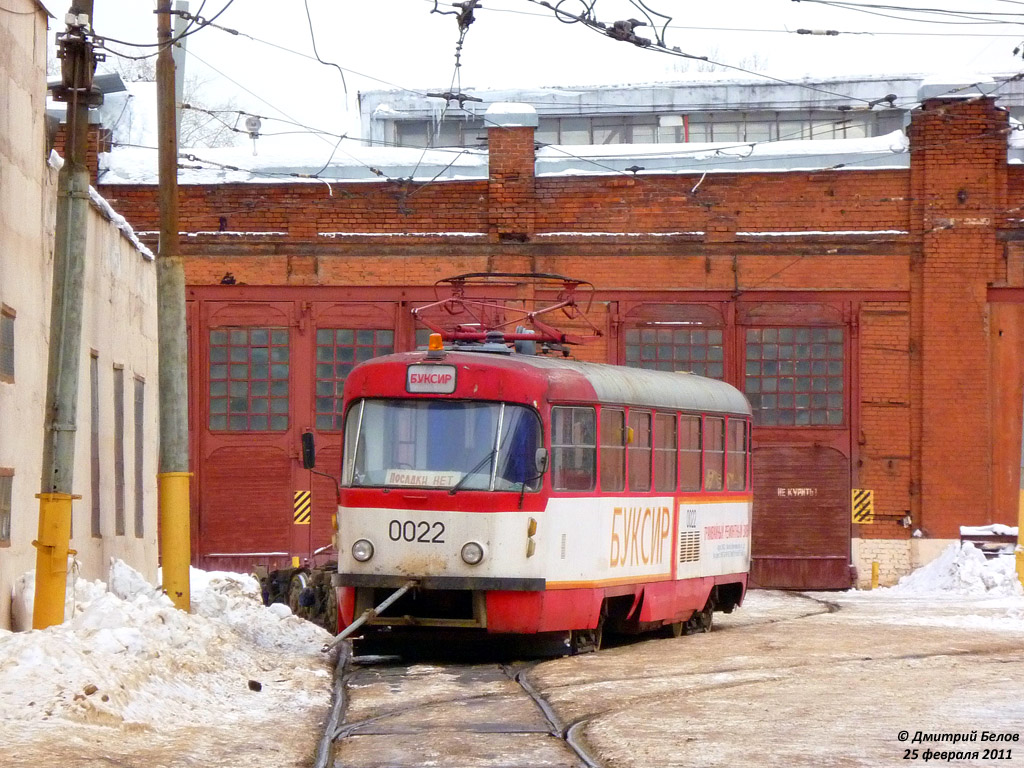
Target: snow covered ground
130, 680
128, 674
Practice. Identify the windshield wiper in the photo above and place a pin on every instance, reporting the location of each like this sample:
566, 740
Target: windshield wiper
480, 464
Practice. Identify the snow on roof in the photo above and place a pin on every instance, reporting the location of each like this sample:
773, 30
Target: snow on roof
957, 85
100, 203
133, 165
507, 114
888, 151
136, 165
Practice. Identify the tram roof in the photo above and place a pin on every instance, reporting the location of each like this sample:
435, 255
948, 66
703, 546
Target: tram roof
676, 390
573, 381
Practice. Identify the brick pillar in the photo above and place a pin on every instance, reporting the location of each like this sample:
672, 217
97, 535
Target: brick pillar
99, 141
510, 130
958, 177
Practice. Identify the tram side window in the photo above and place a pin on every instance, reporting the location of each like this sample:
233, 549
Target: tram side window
573, 448
714, 453
665, 452
737, 479
689, 453
640, 451
613, 450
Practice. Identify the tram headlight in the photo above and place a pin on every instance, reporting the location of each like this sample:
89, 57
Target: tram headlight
472, 553
362, 550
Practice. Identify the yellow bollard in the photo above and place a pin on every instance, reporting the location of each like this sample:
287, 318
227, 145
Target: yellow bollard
175, 547
52, 550
874, 574
1020, 527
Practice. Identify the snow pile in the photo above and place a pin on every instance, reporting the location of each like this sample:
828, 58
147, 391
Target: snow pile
964, 570
127, 657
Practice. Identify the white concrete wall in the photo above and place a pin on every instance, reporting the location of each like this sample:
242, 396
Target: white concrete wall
119, 323
895, 558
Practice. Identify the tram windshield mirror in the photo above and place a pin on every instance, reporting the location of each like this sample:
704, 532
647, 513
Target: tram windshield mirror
308, 451
457, 445
540, 460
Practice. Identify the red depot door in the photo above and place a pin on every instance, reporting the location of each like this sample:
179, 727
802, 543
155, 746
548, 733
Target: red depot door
344, 334
801, 523
245, 385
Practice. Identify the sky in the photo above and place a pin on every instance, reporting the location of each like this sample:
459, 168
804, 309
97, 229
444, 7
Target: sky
270, 67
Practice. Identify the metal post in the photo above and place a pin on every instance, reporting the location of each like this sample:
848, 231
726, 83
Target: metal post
1019, 550
68, 288
173, 480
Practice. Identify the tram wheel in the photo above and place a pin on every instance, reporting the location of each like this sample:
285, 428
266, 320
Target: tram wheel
330, 617
701, 620
587, 640
675, 629
298, 582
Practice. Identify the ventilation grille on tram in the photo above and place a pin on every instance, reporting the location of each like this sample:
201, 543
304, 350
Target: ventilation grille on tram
689, 546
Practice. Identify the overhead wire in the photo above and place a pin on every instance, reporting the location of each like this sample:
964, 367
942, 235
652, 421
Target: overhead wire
455, 74
603, 30
194, 21
312, 37
877, 10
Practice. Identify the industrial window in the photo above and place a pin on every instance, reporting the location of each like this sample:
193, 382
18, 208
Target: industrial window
665, 458
337, 351
737, 455
651, 127
639, 442
140, 399
613, 449
573, 448
94, 442
690, 448
794, 376
249, 379
714, 453
6, 493
6, 343
452, 132
668, 348
119, 450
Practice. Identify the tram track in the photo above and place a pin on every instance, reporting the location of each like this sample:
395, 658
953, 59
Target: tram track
510, 724
404, 710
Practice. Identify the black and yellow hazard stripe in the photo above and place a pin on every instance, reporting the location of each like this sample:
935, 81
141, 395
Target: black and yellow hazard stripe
863, 506
303, 503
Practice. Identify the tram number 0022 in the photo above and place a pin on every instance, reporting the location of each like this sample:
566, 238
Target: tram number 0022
422, 531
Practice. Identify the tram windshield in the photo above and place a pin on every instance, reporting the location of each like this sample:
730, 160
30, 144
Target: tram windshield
457, 445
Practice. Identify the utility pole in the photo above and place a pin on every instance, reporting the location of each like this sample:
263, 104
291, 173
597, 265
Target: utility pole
174, 477
78, 62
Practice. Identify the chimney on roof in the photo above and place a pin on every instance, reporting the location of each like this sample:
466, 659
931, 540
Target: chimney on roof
511, 156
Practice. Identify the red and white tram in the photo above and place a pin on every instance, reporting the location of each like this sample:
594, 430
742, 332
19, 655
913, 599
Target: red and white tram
527, 494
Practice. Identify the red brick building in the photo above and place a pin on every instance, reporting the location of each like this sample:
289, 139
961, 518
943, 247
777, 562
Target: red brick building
872, 316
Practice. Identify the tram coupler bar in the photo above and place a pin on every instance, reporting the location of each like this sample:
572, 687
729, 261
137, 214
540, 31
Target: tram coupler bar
367, 615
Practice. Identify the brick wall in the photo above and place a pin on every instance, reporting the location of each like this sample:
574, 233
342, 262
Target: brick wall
922, 427
959, 179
